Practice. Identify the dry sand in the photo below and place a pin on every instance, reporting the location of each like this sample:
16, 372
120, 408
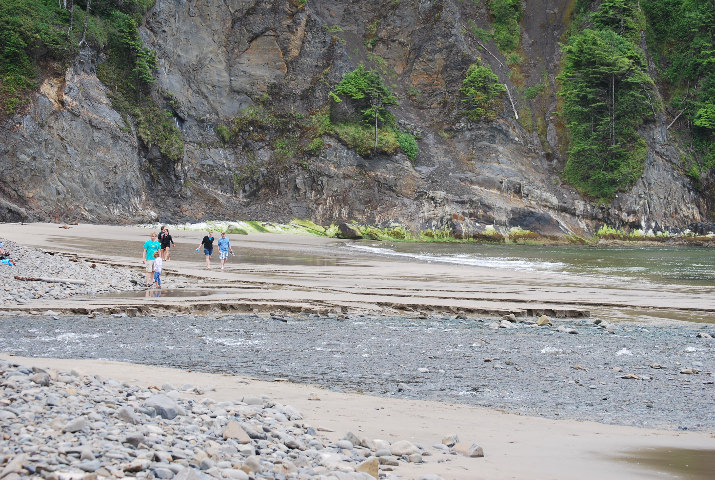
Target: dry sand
306, 272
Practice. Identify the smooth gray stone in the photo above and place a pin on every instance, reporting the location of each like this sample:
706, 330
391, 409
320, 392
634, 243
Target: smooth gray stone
134, 439
163, 405
189, 474
41, 378
161, 472
127, 414
90, 466
75, 425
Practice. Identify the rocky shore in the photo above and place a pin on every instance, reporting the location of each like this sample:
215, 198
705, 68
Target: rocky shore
55, 275
65, 425
582, 369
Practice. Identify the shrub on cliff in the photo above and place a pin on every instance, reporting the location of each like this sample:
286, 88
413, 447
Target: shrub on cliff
30, 31
482, 91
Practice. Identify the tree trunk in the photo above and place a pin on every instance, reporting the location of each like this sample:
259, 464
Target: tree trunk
86, 21
613, 110
375, 150
69, 31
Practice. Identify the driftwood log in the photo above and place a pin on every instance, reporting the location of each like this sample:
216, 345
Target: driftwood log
52, 280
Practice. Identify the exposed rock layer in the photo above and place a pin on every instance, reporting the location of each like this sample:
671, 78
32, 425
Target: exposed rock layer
72, 157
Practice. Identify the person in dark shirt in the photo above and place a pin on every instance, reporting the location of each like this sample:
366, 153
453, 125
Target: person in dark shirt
208, 244
166, 243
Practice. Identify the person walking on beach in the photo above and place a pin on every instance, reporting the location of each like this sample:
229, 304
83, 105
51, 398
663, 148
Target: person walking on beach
166, 243
224, 246
157, 269
208, 244
150, 246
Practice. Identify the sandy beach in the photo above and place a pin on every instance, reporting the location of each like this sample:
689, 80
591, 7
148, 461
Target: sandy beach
288, 274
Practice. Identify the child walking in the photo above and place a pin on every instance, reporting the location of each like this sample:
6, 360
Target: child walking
157, 269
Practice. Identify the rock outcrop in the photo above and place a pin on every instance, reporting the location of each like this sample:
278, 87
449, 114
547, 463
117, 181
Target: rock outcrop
71, 156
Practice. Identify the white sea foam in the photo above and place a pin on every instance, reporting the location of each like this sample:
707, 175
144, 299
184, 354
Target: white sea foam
231, 342
507, 263
68, 337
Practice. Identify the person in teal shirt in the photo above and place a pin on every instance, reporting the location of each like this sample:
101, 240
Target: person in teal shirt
150, 246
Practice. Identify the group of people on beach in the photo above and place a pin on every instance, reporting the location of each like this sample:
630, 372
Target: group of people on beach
224, 247
157, 250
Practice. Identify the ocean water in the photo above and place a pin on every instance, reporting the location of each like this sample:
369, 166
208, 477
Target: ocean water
668, 265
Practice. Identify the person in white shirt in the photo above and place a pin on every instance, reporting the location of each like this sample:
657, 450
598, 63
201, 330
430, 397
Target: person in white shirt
157, 269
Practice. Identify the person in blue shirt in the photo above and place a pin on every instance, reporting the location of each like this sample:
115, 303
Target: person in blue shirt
224, 246
150, 246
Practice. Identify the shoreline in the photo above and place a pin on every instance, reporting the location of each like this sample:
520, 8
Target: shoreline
308, 274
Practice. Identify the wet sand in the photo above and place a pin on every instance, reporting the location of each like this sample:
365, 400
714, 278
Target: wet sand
294, 273
303, 274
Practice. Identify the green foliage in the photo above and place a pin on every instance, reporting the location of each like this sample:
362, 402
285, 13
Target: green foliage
623, 17
257, 226
128, 49
129, 74
361, 138
607, 95
30, 31
235, 230
519, 235
533, 91
607, 232
506, 15
253, 117
482, 91
35, 33
408, 145
224, 133
681, 32
370, 95
311, 227
481, 33
156, 127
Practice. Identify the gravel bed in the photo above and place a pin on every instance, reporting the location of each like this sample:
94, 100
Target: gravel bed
96, 278
630, 374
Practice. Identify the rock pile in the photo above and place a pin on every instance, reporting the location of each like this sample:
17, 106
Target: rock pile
64, 425
62, 276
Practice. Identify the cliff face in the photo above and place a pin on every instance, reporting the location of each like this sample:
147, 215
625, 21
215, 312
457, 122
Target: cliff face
71, 156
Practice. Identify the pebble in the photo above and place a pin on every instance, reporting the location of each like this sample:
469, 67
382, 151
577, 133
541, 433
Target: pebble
99, 278
105, 429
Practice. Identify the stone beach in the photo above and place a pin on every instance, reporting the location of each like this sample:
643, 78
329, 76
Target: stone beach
370, 373
618, 373
94, 277
62, 425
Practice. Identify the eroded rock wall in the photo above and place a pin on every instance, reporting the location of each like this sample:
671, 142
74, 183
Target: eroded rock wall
71, 156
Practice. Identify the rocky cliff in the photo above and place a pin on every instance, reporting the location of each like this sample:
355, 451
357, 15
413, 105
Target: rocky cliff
70, 156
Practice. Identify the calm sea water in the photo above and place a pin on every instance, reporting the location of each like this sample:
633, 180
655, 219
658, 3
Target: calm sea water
662, 264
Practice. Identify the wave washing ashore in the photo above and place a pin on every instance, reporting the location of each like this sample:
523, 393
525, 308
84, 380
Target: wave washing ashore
660, 264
